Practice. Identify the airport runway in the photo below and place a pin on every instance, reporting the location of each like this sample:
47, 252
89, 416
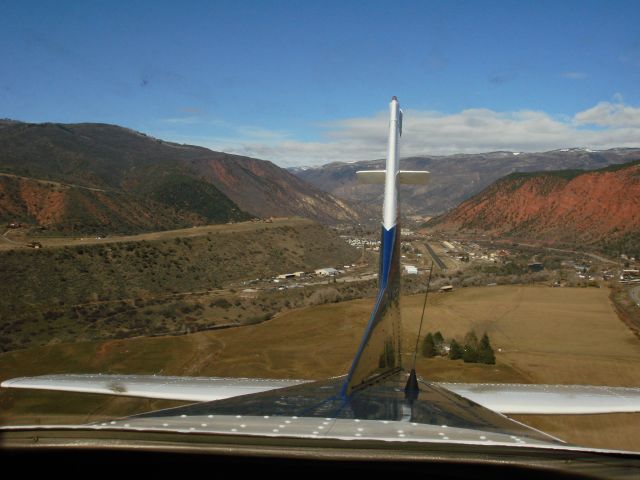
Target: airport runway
435, 257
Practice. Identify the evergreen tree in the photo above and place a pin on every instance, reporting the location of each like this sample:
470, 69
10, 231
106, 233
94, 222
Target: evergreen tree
455, 350
428, 346
470, 353
471, 340
485, 352
438, 341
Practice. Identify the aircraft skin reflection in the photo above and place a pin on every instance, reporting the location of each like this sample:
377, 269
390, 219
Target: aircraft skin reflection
380, 351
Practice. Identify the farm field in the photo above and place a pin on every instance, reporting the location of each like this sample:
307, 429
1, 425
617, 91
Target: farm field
540, 335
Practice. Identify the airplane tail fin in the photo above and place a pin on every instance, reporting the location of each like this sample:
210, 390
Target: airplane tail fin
380, 350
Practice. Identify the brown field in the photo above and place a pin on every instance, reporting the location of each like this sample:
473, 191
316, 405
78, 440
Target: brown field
540, 334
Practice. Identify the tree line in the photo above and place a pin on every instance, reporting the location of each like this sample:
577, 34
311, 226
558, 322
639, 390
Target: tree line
470, 350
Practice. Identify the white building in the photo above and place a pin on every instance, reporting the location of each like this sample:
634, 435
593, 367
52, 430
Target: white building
325, 272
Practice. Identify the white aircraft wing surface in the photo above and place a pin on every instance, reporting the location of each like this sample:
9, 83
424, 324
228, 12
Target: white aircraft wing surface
503, 398
196, 389
549, 399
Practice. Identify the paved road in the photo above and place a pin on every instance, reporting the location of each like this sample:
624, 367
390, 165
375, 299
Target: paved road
635, 294
164, 234
592, 255
3, 236
53, 182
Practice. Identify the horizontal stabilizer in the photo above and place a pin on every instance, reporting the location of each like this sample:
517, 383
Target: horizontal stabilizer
405, 177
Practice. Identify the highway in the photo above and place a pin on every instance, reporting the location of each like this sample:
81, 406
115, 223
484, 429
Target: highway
588, 254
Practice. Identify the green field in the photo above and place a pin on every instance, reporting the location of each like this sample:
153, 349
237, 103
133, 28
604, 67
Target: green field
540, 335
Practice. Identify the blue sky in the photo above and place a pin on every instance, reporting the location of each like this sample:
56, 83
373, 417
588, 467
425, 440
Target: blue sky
301, 82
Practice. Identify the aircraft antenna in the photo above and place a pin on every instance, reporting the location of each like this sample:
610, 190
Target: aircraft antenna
424, 306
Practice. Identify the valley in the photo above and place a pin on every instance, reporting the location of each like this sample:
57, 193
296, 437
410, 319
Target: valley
134, 255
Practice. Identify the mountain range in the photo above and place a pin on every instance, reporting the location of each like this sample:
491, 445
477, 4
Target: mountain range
454, 178
99, 177
104, 178
599, 207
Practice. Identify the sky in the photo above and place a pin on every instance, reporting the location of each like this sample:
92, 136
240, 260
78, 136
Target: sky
308, 82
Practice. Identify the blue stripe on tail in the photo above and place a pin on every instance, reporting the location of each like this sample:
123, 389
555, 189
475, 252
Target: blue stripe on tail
379, 352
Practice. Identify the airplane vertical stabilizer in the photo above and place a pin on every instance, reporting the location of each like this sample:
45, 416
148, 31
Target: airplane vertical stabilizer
379, 353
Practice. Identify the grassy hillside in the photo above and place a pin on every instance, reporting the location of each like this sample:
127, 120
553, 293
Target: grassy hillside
139, 288
174, 201
74, 177
188, 194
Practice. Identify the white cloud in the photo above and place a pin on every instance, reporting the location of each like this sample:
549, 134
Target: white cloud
607, 114
606, 125
181, 120
252, 133
574, 75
